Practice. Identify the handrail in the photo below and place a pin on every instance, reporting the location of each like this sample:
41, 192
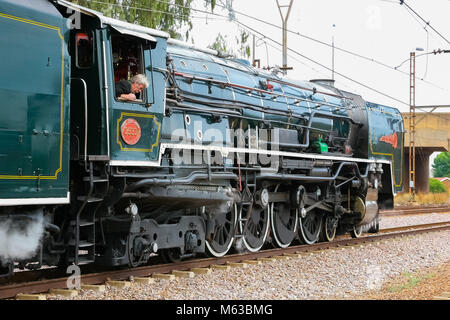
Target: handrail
223, 84
105, 88
85, 116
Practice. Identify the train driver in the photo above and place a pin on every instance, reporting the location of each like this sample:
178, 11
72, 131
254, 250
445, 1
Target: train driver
129, 90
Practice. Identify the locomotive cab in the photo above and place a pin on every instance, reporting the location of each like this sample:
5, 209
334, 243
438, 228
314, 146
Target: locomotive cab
103, 54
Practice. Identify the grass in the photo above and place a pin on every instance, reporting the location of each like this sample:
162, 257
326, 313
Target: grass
411, 282
423, 198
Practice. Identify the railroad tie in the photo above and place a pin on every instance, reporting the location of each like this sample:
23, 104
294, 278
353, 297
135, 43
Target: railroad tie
163, 276
237, 264
267, 259
253, 262
183, 274
94, 287
119, 284
221, 267
146, 280
201, 270
22, 296
64, 292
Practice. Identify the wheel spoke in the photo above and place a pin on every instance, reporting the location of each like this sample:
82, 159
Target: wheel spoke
329, 229
223, 236
356, 232
256, 228
284, 224
309, 228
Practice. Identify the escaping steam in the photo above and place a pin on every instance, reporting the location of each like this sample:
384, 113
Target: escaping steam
19, 237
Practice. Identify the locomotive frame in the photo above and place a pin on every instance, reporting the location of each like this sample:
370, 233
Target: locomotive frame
216, 155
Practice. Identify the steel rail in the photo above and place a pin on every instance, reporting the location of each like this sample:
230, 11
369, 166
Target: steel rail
414, 210
11, 290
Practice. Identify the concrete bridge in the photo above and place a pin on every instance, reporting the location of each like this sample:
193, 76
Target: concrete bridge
432, 135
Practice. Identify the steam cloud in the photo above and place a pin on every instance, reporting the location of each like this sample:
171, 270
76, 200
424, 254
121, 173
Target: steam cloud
19, 239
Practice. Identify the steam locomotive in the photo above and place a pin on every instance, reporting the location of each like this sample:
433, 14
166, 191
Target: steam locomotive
215, 155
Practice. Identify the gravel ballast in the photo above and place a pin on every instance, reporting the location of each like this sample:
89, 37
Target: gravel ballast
409, 220
332, 274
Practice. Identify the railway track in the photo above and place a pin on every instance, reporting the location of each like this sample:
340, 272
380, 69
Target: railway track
39, 282
415, 210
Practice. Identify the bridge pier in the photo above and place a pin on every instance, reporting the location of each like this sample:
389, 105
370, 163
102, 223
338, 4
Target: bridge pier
422, 169
432, 135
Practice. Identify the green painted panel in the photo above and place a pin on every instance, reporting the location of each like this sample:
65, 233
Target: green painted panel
386, 138
34, 103
147, 148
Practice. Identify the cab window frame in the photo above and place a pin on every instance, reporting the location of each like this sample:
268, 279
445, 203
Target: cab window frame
91, 36
141, 69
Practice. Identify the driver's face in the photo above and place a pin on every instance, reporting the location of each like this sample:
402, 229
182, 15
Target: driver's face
136, 87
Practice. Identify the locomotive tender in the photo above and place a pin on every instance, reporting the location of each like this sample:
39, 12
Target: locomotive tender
215, 154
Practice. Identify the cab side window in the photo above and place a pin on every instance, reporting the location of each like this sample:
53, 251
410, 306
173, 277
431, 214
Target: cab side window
84, 46
131, 68
127, 58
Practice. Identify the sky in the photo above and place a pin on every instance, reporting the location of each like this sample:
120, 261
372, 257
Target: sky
382, 30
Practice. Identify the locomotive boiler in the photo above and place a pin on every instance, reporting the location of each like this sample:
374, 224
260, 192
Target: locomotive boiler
215, 155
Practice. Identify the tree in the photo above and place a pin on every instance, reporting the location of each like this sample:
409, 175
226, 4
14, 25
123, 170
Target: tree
436, 186
170, 16
221, 44
166, 15
441, 165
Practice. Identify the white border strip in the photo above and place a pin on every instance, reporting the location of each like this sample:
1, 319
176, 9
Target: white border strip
227, 150
132, 163
34, 201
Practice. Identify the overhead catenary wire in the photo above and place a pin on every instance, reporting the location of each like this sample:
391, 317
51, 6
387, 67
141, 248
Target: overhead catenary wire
338, 73
295, 59
347, 51
331, 46
375, 61
428, 38
274, 41
402, 2
325, 67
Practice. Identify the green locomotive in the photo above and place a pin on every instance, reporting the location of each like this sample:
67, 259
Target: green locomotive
214, 155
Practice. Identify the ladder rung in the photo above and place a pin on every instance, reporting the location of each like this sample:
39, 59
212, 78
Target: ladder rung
90, 199
81, 244
83, 260
83, 223
95, 179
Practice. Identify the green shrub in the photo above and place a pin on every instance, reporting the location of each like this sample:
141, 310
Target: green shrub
436, 186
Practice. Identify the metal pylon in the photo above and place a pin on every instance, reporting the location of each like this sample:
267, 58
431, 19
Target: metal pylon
412, 125
284, 20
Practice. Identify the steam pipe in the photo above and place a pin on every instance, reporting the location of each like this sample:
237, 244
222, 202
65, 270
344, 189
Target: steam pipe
299, 177
196, 175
